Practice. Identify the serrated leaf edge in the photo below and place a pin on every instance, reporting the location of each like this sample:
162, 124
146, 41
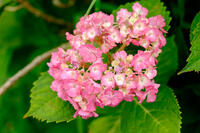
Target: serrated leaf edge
26, 115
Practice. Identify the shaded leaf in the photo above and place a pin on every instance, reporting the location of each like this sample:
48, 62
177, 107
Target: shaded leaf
194, 58
167, 61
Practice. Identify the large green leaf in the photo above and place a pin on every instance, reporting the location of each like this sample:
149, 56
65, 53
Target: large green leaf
155, 7
46, 105
161, 116
194, 58
167, 61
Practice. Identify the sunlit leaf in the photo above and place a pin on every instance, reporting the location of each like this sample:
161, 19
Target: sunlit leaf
46, 105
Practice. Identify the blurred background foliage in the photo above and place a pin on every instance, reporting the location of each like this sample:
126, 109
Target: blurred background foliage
24, 35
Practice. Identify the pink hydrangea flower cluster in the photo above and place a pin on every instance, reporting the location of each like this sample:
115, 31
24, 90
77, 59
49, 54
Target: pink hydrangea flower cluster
82, 78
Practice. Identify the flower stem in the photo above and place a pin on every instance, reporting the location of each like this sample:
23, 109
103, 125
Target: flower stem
122, 47
90, 7
80, 125
43, 15
110, 58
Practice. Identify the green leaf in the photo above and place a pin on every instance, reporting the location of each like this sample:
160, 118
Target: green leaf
167, 61
107, 124
155, 7
46, 105
195, 27
194, 58
161, 116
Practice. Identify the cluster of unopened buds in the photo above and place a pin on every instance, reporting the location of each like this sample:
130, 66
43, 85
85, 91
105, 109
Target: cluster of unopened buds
83, 77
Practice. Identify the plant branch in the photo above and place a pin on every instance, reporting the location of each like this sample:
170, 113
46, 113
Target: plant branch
90, 7
58, 3
122, 47
39, 59
44, 16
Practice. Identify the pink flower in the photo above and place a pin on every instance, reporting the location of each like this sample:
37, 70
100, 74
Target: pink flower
143, 81
69, 74
105, 47
124, 30
120, 79
91, 103
72, 88
139, 27
111, 98
91, 33
140, 95
74, 57
56, 85
157, 22
85, 114
89, 53
135, 42
96, 70
57, 58
129, 97
151, 34
55, 72
128, 90
150, 72
123, 15
152, 90
162, 40
115, 36
73, 102
120, 55
156, 52
137, 8
82, 79
130, 83
90, 88
108, 80
62, 93
144, 43
108, 21
142, 60
75, 41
